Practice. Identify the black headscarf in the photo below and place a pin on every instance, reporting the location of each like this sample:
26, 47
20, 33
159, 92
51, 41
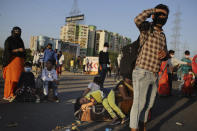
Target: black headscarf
13, 42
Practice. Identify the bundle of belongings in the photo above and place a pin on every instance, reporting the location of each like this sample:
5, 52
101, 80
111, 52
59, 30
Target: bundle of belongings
93, 113
106, 104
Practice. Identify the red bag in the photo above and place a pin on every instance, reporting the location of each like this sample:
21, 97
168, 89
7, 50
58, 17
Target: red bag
188, 86
163, 88
194, 64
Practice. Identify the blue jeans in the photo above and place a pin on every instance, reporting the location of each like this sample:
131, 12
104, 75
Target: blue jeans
145, 89
50, 84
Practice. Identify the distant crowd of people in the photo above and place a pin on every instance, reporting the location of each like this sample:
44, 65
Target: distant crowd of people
42, 56
134, 95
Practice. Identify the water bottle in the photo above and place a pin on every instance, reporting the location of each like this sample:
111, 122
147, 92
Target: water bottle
67, 129
108, 129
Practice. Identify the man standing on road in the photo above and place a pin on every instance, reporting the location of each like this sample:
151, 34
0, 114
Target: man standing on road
103, 63
117, 76
13, 62
49, 54
148, 63
185, 68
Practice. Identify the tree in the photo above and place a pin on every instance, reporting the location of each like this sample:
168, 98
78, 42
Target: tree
28, 56
67, 58
1, 56
113, 57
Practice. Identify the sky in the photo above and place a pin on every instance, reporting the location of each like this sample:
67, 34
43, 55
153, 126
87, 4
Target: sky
45, 17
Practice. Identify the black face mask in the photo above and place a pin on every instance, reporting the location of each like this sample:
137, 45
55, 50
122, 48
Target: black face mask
158, 20
16, 34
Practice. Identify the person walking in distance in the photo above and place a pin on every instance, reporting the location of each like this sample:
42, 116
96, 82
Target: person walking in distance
84, 64
49, 54
72, 65
36, 62
117, 76
153, 51
103, 63
41, 58
13, 62
60, 57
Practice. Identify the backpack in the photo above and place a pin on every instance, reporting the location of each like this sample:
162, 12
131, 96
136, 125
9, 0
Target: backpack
130, 53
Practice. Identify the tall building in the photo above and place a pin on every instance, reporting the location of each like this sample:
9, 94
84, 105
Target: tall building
75, 33
116, 41
91, 40
38, 42
68, 33
101, 38
34, 43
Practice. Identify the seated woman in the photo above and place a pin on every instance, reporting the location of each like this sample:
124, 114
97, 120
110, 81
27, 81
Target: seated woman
124, 94
26, 86
188, 86
107, 98
93, 86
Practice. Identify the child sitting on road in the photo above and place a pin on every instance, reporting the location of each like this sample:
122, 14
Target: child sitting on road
26, 91
93, 86
189, 80
49, 77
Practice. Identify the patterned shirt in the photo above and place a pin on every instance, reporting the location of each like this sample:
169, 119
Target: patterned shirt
152, 40
49, 75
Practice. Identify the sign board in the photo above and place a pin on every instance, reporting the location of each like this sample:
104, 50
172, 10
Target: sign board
75, 18
92, 64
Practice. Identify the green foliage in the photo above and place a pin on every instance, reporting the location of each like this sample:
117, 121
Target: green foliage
1, 56
67, 58
28, 56
113, 57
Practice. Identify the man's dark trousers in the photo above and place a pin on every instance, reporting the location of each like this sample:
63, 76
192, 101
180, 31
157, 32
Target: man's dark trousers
103, 73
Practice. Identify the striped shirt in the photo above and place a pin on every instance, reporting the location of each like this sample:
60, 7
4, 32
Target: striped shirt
152, 40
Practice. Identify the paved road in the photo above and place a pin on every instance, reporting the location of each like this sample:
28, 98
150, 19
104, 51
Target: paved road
46, 116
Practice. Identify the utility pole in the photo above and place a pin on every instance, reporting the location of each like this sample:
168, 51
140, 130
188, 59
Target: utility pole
176, 34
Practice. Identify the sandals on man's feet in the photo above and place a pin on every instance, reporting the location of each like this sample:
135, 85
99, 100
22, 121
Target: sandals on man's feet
124, 120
